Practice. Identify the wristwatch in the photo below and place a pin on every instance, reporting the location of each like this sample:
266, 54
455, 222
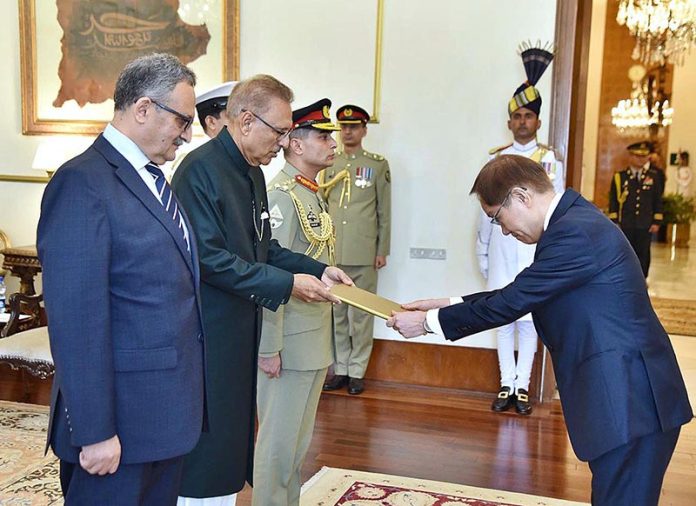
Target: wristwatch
426, 327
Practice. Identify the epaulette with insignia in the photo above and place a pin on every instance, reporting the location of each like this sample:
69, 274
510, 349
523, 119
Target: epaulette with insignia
285, 186
555, 152
374, 156
498, 149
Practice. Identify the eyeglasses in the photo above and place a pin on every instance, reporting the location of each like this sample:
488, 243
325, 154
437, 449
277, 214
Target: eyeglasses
494, 219
187, 120
282, 134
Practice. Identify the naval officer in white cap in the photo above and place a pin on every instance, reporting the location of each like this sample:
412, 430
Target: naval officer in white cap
211, 106
211, 110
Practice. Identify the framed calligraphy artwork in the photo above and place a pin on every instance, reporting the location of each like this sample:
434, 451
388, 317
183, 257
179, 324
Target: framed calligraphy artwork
73, 50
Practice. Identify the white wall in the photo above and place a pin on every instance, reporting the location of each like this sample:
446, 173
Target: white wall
449, 69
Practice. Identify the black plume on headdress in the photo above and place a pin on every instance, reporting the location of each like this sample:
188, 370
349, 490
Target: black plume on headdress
536, 60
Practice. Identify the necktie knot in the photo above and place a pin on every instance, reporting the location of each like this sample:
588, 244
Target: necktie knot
154, 169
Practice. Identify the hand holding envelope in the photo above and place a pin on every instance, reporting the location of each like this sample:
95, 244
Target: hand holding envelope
411, 322
407, 319
308, 288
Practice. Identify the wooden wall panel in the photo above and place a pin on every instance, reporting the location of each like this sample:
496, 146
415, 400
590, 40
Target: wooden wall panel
472, 369
611, 145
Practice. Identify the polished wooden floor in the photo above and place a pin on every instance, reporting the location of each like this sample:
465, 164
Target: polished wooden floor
453, 436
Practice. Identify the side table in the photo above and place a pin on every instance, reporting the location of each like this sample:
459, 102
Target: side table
22, 262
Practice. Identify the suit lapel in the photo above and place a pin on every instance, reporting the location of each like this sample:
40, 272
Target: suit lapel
130, 178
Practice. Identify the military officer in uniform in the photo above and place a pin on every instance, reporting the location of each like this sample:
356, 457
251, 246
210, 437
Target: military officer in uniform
358, 191
502, 257
211, 108
635, 201
296, 342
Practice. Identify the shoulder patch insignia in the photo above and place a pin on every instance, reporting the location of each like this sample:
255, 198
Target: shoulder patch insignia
374, 156
276, 217
387, 176
312, 218
498, 149
285, 186
553, 150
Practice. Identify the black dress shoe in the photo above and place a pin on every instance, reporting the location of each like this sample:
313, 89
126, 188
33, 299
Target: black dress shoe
336, 382
522, 405
504, 401
356, 386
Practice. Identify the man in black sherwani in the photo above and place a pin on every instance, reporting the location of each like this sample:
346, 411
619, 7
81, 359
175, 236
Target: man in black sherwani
223, 191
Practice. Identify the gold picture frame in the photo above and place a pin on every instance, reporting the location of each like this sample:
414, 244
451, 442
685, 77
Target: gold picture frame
32, 121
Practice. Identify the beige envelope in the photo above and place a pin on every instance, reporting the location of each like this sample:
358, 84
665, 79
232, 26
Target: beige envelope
367, 301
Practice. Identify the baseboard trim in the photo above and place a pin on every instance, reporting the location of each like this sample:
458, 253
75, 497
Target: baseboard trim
435, 365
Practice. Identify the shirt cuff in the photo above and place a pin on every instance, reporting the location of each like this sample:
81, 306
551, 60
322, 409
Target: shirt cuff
432, 317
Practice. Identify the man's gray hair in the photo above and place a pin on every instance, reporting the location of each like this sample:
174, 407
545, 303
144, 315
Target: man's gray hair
254, 94
154, 76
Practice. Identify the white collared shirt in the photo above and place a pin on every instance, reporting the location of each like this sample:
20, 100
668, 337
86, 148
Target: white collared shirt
525, 149
131, 152
552, 207
432, 317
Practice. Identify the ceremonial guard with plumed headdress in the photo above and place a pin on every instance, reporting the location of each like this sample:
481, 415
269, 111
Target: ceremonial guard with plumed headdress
502, 257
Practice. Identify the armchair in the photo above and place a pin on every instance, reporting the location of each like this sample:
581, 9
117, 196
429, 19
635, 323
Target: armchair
24, 339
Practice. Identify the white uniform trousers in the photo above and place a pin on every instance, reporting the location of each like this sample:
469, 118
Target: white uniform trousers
287, 408
222, 500
516, 375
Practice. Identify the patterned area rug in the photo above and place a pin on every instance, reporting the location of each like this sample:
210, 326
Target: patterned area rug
677, 316
340, 487
26, 476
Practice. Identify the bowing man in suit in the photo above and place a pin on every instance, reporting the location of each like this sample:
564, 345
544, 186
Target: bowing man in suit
120, 277
622, 392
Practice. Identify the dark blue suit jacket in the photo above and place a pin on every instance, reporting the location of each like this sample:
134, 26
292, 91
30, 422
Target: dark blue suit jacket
616, 370
123, 313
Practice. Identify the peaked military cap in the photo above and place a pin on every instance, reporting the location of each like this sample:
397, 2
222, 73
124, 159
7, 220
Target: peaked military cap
641, 148
352, 114
536, 60
314, 116
214, 100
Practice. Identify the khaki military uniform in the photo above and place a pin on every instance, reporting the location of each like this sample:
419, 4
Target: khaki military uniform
360, 205
301, 333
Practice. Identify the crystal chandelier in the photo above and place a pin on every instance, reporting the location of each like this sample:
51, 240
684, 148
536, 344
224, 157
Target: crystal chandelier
665, 30
633, 116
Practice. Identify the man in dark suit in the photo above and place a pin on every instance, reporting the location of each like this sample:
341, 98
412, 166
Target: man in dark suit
120, 273
622, 392
243, 271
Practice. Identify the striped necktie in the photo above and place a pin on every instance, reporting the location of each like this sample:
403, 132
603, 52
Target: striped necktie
168, 199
